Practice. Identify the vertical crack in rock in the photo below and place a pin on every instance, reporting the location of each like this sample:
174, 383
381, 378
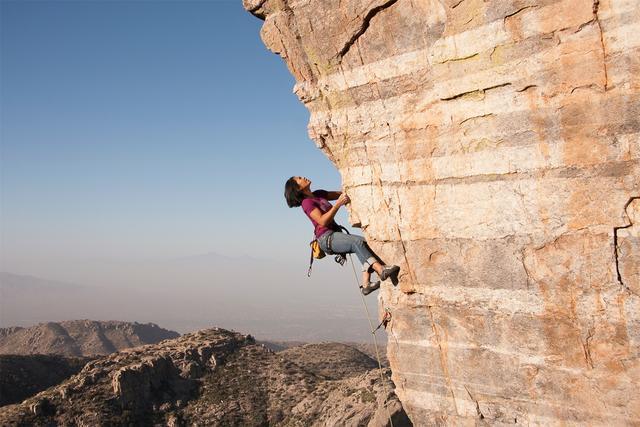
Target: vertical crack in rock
359, 57
524, 265
596, 6
363, 27
327, 134
404, 249
587, 349
285, 53
480, 414
443, 359
615, 243
400, 238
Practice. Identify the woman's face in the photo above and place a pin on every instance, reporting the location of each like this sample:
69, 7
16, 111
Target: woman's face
303, 183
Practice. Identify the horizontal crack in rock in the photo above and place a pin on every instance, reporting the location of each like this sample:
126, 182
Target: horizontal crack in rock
476, 117
457, 59
609, 169
479, 91
511, 15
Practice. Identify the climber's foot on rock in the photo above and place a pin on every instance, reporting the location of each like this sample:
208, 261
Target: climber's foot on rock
366, 290
390, 271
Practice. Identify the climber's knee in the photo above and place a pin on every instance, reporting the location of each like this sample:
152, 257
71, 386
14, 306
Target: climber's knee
359, 241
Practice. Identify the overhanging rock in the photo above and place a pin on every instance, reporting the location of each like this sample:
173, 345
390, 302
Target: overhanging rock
491, 148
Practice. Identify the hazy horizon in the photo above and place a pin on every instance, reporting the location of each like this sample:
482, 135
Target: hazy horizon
141, 142
32, 300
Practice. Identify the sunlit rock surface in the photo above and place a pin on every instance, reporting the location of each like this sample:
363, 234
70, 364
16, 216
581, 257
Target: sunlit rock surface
491, 148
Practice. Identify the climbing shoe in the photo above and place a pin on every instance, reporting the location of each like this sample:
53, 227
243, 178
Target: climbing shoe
370, 288
389, 271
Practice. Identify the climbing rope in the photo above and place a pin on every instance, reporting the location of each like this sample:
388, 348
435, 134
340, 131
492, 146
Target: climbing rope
385, 320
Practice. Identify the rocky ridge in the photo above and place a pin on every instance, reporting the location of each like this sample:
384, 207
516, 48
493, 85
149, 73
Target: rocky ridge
491, 148
22, 376
367, 348
212, 377
333, 361
80, 337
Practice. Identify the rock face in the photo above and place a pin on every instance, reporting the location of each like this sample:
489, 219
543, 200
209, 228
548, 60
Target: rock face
491, 148
80, 337
216, 377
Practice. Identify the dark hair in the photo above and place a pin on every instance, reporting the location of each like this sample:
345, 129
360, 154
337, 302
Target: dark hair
293, 194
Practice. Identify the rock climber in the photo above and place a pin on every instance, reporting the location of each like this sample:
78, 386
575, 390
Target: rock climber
315, 204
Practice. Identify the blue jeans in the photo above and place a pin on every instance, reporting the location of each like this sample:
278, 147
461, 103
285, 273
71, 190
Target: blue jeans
342, 243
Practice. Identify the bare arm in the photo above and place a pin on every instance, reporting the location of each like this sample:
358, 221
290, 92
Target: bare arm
326, 218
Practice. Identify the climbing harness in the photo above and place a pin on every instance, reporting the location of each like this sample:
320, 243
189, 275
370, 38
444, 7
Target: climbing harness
318, 253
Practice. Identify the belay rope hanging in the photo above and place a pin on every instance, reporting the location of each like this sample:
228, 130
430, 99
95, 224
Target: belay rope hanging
317, 252
385, 320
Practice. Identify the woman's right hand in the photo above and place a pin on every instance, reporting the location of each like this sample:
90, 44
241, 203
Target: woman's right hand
343, 199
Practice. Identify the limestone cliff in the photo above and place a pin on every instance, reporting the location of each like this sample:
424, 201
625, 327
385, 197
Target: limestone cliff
491, 148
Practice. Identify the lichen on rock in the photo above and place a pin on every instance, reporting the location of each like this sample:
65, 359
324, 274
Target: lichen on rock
491, 148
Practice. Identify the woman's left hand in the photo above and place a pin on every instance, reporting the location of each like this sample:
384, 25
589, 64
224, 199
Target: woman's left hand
343, 200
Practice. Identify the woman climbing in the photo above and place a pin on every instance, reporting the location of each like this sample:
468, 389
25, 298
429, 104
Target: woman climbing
297, 192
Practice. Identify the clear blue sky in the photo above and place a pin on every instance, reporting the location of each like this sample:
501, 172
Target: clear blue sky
141, 129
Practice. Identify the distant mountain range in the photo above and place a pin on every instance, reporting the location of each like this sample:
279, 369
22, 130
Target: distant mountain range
197, 292
12, 283
80, 337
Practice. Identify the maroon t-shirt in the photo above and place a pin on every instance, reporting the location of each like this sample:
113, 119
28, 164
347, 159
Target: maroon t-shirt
320, 202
